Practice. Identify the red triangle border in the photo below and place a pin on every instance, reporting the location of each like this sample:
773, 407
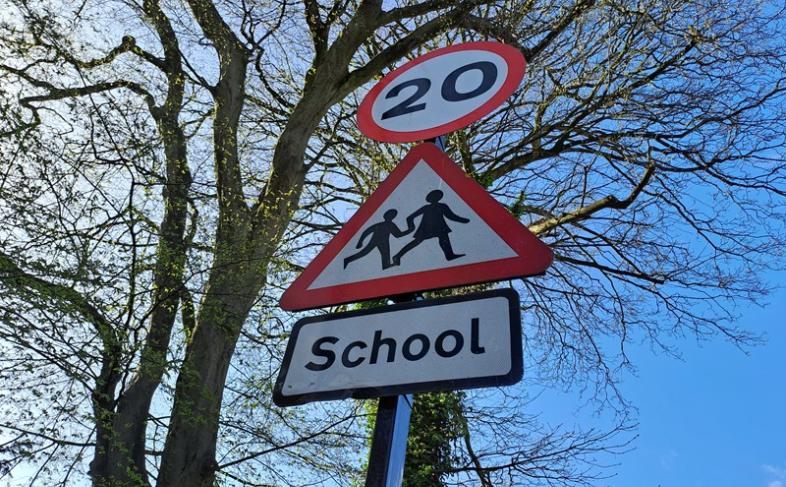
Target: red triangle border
533, 256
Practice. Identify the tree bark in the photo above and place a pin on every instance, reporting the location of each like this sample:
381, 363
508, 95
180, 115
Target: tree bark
120, 455
236, 277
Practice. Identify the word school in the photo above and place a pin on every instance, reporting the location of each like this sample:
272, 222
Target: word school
441, 344
418, 341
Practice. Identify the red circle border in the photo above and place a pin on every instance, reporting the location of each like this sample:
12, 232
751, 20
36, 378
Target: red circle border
516, 68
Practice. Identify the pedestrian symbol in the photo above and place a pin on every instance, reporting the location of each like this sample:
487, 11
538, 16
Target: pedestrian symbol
380, 239
432, 225
427, 226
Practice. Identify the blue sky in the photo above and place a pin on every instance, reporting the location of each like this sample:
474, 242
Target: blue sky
716, 418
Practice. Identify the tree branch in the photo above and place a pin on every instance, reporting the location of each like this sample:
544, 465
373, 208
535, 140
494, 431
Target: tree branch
587, 211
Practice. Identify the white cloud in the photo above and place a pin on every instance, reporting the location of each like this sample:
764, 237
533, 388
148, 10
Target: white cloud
778, 472
777, 475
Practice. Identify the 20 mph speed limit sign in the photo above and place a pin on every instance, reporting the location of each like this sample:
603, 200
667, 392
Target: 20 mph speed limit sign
441, 91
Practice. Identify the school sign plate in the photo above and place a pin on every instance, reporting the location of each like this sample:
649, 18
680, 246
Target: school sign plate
427, 226
446, 344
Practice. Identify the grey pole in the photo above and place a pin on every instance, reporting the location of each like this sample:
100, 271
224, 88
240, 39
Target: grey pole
389, 446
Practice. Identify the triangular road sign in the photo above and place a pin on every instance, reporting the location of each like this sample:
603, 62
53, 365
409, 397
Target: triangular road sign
427, 226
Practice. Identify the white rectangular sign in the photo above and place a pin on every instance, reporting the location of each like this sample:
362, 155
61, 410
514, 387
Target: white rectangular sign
452, 343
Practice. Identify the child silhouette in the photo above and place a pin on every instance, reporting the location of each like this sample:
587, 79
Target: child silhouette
380, 239
432, 224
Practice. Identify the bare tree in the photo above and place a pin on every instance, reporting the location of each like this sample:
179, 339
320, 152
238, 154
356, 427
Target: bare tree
168, 166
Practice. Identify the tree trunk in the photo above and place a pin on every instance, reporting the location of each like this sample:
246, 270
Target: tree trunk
119, 457
189, 453
121, 432
236, 278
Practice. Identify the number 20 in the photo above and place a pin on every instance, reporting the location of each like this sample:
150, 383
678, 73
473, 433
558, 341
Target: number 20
449, 91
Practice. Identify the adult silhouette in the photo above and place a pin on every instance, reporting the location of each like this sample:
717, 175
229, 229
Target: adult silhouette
380, 239
432, 225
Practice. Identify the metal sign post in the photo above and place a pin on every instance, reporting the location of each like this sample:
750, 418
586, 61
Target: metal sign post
389, 446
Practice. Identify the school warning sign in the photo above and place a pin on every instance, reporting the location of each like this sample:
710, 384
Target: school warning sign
427, 226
